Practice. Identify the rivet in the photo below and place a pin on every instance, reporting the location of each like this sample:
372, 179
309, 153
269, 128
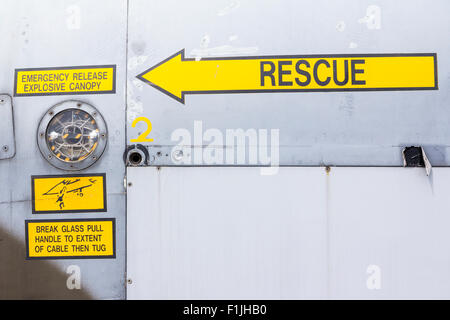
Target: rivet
178, 155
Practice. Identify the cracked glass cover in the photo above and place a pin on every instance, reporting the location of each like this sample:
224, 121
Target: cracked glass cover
72, 135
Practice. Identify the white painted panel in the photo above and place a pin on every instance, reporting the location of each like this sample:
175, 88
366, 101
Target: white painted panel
397, 219
212, 233
226, 233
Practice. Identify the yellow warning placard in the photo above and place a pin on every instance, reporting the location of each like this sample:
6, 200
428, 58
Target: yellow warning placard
65, 80
68, 193
177, 76
69, 239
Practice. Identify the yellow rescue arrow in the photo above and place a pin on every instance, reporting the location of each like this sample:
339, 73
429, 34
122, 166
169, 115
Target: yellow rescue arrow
177, 75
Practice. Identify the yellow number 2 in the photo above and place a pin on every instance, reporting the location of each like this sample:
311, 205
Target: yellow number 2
143, 136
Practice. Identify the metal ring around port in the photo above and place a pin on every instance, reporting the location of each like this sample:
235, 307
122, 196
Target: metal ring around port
138, 152
93, 157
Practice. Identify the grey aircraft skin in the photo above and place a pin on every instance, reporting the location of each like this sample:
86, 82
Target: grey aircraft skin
229, 149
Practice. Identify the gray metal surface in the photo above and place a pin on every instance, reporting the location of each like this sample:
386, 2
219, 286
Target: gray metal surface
7, 140
231, 233
297, 234
55, 34
338, 128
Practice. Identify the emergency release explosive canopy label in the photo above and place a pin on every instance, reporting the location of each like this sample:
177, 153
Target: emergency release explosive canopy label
65, 80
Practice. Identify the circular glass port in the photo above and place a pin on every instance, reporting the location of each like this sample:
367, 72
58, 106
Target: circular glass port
72, 135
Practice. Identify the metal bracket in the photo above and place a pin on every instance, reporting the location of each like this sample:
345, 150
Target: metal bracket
7, 139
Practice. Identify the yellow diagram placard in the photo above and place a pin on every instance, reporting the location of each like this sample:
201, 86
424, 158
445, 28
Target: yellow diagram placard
177, 76
65, 80
68, 239
69, 193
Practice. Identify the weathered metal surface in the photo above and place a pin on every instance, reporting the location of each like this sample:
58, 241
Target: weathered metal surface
318, 234
55, 34
316, 128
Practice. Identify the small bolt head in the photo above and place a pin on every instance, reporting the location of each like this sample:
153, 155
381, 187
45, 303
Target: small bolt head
5, 148
178, 155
